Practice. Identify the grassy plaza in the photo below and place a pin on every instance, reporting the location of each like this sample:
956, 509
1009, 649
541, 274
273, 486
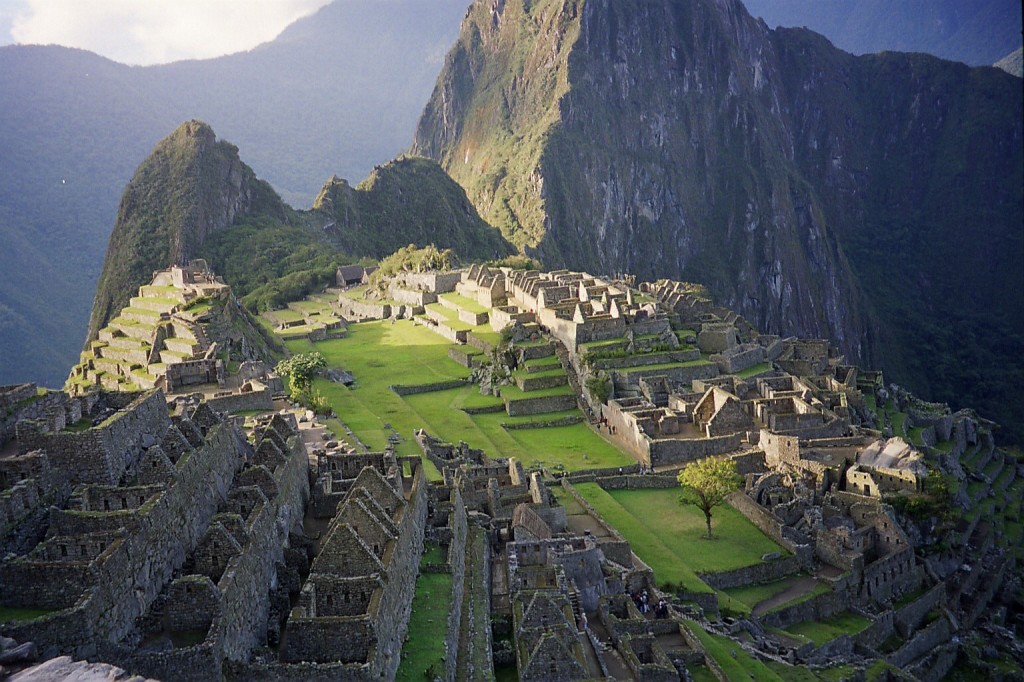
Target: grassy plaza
382, 354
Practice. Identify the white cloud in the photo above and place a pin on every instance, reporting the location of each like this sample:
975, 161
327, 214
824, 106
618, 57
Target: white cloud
157, 31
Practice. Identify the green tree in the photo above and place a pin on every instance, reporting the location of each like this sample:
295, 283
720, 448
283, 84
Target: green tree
707, 482
300, 369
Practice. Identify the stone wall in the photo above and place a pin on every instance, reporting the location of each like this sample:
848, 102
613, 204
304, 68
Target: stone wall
363, 310
457, 560
428, 388
924, 641
416, 299
614, 546
684, 374
245, 582
527, 406
437, 282
460, 355
636, 482
822, 607
891, 576
442, 329
261, 399
680, 451
878, 632
910, 617
102, 453
174, 526
764, 572
503, 316
770, 526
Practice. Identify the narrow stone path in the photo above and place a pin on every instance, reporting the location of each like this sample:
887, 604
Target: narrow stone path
800, 587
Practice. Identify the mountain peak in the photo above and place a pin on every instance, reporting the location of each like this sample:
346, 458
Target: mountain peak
188, 187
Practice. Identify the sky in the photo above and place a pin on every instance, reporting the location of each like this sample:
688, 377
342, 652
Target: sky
143, 32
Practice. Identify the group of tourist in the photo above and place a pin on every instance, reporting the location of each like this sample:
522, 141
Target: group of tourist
643, 604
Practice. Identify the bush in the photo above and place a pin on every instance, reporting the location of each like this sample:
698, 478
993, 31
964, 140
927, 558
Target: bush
599, 386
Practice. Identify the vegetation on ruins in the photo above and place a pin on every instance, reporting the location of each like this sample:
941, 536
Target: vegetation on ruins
516, 261
411, 258
599, 386
707, 483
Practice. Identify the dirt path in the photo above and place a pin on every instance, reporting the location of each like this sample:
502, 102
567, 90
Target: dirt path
800, 587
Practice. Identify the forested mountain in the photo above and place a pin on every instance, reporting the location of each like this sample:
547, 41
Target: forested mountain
194, 197
335, 94
873, 200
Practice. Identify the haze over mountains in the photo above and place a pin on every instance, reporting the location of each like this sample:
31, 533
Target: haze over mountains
341, 91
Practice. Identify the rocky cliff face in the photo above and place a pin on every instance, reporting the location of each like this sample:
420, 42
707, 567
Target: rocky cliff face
190, 186
645, 137
809, 189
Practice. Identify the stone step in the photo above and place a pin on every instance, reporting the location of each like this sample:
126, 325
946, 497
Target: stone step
170, 292
108, 365
128, 343
171, 357
141, 315
182, 330
159, 305
132, 329
133, 356
179, 345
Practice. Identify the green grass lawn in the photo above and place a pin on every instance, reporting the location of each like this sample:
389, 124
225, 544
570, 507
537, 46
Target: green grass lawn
824, 631
669, 537
755, 370
665, 366
449, 318
380, 354
550, 362
11, 614
750, 596
467, 304
574, 447
736, 663
424, 646
284, 315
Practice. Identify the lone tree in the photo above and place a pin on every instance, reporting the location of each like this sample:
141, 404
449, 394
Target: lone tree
300, 369
707, 482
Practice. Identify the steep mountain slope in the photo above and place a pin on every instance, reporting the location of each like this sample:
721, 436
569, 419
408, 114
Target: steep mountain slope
976, 33
190, 186
335, 93
194, 197
407, 201
868, 200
